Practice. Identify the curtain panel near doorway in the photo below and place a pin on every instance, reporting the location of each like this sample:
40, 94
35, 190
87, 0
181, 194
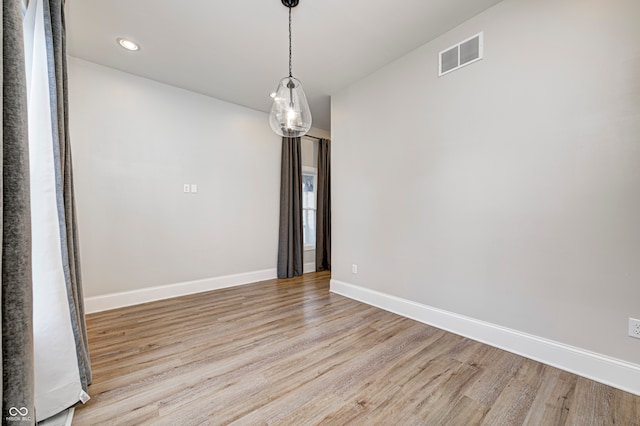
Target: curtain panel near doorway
323, 212
290, 246
17, 325
61, 362
58, 62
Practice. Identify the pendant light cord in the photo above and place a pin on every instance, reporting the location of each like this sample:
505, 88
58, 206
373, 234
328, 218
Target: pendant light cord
290, 75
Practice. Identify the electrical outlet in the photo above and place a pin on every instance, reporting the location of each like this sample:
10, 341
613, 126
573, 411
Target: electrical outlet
186, 188
634, 328
354, 269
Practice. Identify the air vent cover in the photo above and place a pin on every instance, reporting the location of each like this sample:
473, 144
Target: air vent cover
463, 53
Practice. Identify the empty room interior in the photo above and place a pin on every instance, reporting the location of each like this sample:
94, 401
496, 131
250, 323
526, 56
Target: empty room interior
441, 228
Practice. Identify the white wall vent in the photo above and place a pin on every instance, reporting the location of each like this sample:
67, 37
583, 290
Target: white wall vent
464, 53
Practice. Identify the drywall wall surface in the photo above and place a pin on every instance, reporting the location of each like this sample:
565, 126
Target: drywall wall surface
135, 144
309, 153
508, 190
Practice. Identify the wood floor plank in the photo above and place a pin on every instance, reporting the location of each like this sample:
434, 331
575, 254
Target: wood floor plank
551, 406
512, 406
289, 352
598, 404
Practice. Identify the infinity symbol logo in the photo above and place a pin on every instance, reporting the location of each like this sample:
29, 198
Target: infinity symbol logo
22, 411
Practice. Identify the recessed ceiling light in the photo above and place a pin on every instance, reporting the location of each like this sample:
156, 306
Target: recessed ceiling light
128, 44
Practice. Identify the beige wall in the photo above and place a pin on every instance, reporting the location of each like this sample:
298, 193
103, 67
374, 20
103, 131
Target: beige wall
507, 191
135, 143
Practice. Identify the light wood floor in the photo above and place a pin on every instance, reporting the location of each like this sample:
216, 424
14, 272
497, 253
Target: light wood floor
289, 352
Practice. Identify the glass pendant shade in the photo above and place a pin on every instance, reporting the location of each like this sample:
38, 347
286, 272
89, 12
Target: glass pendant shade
290, 115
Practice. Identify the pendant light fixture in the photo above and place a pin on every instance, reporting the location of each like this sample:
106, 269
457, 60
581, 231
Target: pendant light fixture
290, 115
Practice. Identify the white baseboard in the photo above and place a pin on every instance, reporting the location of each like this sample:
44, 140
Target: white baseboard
610, 371
150, 294
308, 267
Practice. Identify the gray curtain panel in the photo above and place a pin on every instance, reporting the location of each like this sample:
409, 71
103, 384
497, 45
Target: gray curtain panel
290, 247
55, 31
16, 305
323, 211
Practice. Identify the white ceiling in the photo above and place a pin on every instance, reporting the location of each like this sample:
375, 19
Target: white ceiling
237, 50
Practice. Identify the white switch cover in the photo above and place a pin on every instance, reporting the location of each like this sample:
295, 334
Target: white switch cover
354, 269
194, 188
187, 188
